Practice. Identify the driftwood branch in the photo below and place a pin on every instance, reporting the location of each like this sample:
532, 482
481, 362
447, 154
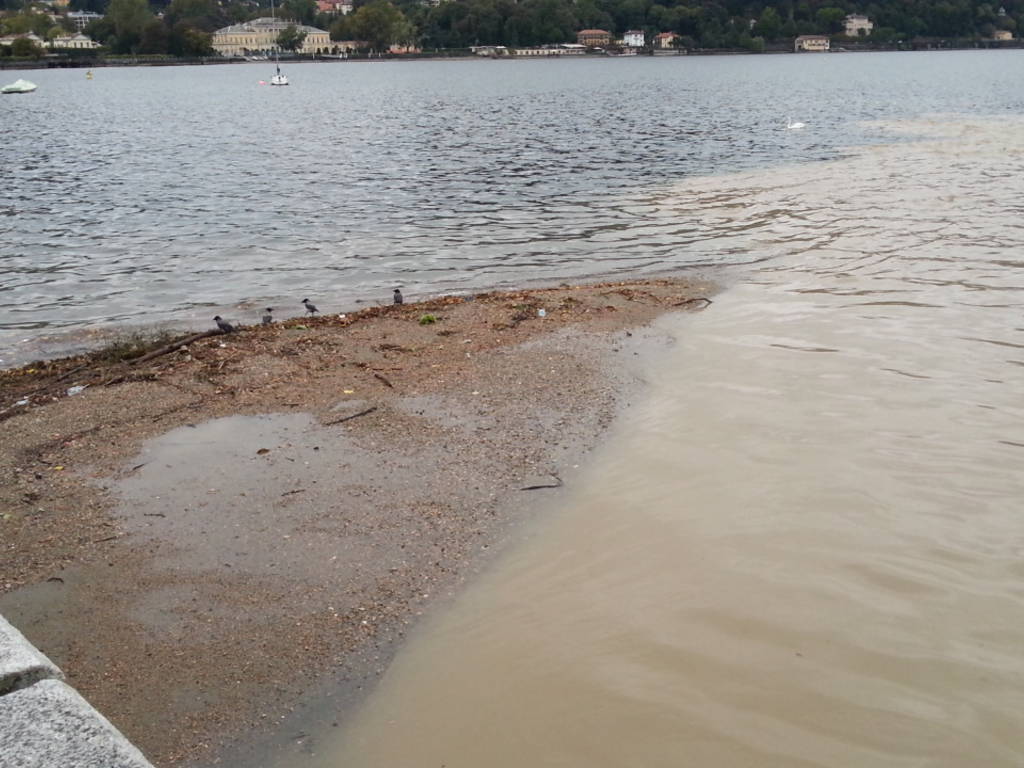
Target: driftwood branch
706, 301
353, 416
176, 345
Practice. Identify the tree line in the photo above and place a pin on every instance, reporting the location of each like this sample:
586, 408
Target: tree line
185, 27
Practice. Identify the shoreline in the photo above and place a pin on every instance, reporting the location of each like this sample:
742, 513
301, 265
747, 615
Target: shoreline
76, 63
216, 543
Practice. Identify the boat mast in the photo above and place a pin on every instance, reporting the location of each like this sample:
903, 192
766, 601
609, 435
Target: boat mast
273, 42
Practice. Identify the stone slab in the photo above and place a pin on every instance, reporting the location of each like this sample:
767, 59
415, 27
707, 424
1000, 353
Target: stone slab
21, 664
49, 725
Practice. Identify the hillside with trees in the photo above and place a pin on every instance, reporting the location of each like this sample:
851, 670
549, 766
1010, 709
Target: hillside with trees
703, 24
185, 27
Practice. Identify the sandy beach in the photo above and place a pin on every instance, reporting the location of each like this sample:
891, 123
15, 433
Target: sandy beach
227, 540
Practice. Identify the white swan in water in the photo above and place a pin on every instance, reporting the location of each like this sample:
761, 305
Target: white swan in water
791, 126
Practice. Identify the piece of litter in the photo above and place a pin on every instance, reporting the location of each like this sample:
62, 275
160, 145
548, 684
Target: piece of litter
222, 345
23, 401
542, 313
348, 391
76, 389
342, 316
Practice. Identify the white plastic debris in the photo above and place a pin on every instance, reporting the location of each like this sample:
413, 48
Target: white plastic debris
542, 313
76, 390
23, 401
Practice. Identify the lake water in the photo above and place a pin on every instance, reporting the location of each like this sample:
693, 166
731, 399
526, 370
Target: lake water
803, 547
167, 195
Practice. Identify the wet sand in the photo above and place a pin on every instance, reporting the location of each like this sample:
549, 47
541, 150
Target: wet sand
230, 539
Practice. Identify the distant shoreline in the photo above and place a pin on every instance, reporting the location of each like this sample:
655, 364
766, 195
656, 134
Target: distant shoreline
86, 63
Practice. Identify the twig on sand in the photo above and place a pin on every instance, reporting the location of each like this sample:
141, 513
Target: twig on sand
72, 372
176, 345
145, 376
353, 416
386, 382
556, 484
63, 376
706, 301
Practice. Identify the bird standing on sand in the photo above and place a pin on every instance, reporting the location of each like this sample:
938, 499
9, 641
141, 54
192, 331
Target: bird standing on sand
398, 297
224, 325
267, 317
310, 307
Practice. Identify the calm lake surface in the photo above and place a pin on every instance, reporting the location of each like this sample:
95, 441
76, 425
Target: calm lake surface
167, 195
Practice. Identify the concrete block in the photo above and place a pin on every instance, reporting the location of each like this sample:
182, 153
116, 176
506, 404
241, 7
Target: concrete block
49, 725
20, 663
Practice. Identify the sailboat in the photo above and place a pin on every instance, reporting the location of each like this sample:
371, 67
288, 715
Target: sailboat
19, 86
277, 79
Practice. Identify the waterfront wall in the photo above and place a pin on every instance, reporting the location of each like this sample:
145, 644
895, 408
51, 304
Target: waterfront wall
45, 723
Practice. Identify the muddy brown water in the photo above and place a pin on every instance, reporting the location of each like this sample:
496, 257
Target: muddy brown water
804, 547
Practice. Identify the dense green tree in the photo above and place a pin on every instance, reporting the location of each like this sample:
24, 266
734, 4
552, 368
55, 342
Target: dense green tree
590, 15
155, 36
121, 29
380, 24
769, 25
291, 38
552, 21
204, 15
830, 19
186, 40
949, 19
300, 11
25, 22
25, 48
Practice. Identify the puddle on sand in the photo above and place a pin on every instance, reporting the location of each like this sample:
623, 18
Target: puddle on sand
232, 491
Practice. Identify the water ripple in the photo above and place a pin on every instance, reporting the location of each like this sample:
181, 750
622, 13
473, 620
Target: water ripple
447, 176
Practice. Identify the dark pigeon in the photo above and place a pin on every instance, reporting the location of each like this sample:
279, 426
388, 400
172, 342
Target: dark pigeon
224, 325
